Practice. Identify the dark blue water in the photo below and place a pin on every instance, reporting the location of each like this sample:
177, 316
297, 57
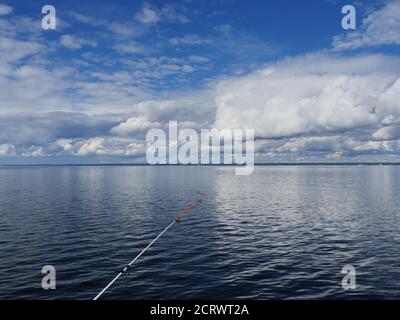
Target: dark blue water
284, 232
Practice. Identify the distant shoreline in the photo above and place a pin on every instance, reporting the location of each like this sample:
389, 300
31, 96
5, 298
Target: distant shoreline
204, 165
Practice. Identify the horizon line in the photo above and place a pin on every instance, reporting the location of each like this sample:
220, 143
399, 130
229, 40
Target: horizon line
204, 165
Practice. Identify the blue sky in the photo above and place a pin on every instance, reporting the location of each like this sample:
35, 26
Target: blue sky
89, 91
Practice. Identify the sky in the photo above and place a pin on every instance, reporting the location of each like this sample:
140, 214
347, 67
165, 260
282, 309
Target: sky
90, 90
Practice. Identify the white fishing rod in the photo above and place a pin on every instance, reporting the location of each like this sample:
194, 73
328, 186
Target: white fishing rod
128, 266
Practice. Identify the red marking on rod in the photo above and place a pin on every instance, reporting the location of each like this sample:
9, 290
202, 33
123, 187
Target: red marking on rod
185, 211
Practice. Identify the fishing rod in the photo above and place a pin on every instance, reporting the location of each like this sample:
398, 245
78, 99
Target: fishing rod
126, 269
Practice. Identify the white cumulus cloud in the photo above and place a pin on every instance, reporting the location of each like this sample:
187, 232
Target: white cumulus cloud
149, 14
106, 146
134, 125
7, 150
387, 133
317, 93
74, 43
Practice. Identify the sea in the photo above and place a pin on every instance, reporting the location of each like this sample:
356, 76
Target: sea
284, 232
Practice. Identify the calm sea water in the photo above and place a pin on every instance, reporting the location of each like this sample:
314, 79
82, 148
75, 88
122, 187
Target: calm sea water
284, 232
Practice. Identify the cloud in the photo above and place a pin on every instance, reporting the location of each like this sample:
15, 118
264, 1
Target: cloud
313, 94
171, 14
33, 82
381, 27
334, 156
122, 30
5, 9
7, 150
326, 148
367, 147
323, 105
74, 43
387, 133
223, 28
26, 83
34, 151
193, 109
159, 67
189, 39
12, 50
130, 48
32, 88
25, 130
321, 144
149, 14
92, 146
134, 125
300, 103
111, 147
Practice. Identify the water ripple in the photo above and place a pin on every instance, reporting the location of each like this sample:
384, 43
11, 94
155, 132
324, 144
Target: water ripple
283, 233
